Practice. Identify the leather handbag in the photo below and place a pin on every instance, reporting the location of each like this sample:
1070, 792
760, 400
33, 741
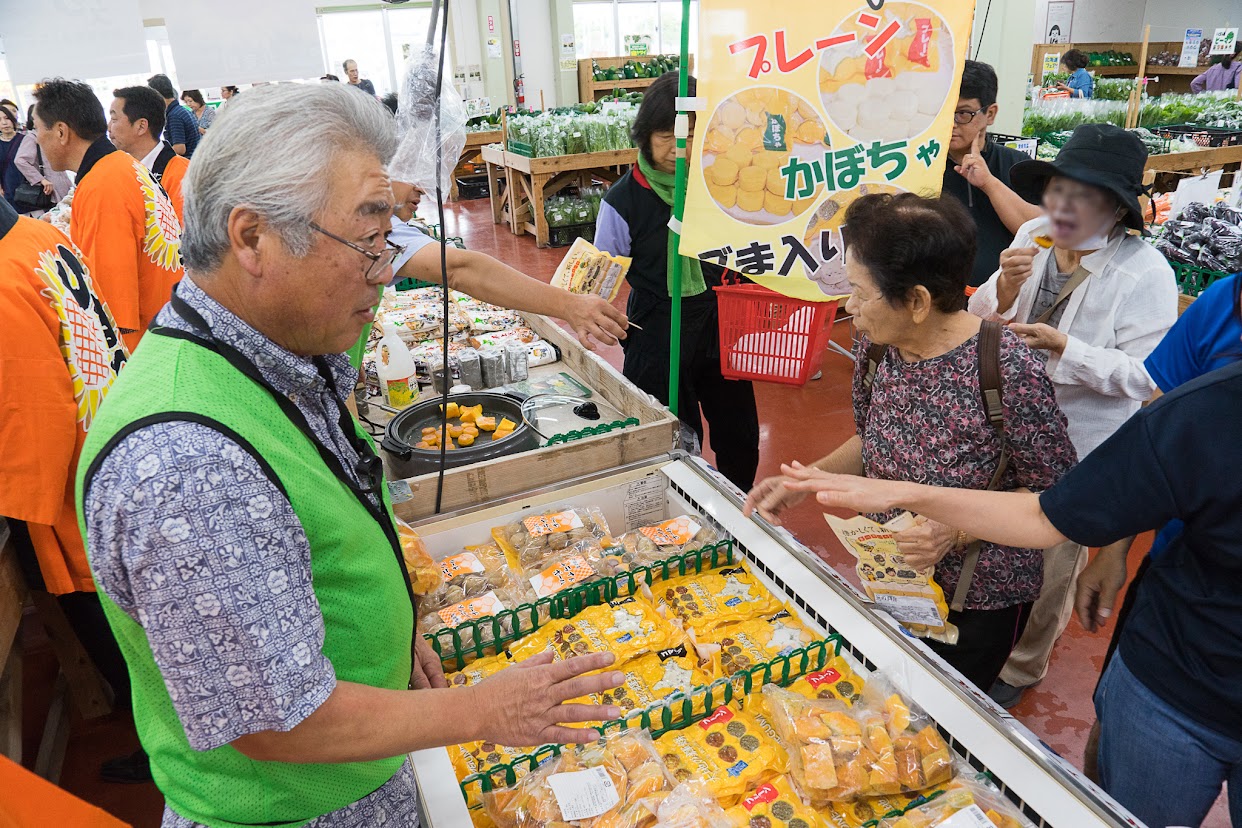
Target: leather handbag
30, 197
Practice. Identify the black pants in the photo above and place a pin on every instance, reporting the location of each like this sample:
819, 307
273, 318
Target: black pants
728, 405
985, 639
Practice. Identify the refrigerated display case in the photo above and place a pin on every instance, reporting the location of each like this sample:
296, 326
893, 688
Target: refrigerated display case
1049, 789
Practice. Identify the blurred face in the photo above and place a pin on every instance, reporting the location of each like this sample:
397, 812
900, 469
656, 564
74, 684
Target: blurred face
54, 140
664, 148
325, 296
883, 322
1079, 214
406, 197
8, 124
980, 119
226, 93
128, 136
351, 71
190, 102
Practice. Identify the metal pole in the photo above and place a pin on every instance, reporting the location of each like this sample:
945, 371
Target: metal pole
679, 207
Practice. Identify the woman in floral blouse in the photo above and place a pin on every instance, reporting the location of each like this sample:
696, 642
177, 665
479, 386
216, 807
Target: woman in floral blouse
908, 259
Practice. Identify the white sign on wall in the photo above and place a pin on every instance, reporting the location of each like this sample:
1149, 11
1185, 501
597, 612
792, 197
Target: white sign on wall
1060, 18
73, 39
1190, 48
279, 42
1224, 41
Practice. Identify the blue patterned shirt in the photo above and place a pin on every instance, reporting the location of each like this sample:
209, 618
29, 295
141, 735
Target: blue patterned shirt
190, 538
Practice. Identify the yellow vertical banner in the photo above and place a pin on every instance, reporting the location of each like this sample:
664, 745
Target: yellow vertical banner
807, 107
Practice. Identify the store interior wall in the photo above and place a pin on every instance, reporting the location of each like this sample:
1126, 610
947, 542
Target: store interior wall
1005, 42
534, 24
1107, 21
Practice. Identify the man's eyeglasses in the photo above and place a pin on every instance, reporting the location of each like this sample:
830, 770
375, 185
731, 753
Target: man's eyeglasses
962, 118
379, 261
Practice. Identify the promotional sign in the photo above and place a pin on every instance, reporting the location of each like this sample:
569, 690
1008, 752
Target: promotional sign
1060, 17
1224, 41
808, 107
1190, 48
1052, 65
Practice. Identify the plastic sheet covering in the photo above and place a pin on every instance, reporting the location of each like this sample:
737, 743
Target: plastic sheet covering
415, 161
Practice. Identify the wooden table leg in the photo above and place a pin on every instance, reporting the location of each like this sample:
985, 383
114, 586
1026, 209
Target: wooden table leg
539, 218
495, 191
519, 199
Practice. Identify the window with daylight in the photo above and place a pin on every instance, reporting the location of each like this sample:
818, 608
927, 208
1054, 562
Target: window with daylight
607, 28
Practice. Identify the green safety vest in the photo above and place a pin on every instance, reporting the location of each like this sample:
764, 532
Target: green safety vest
359, 582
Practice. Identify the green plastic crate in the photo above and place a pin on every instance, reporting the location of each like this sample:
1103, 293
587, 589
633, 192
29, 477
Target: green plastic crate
679, 710
485, 636
1192, 280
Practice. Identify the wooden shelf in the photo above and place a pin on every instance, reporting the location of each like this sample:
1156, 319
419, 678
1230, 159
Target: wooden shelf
624, 83
1193, 71
1112, 71
590, 89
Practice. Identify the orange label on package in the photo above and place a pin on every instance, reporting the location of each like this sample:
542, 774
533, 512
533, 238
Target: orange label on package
481, 607
673, 532
553, 524
462, 564
566, 573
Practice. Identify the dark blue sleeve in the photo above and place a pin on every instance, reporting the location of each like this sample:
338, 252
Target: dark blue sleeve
174, 131
1200, 335
1118, 490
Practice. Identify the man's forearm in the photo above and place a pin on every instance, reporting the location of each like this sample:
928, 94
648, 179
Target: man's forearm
1005, 518
490, 280
1013, 209
847, 459
359, 723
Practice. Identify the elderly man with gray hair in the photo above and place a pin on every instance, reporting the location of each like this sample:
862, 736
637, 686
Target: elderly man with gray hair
236, 517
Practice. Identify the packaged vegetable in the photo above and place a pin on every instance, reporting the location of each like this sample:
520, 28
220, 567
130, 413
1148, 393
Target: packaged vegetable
913, 597
649, 545
627, 628
729, 751
691, 805
705, 601
424, 573
879, 746
968, 802
558, 549
605, 784
741, 646
773, 804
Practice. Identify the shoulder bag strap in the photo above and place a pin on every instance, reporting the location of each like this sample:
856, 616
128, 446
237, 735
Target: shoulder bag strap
1071, 284
875, 355
991, 388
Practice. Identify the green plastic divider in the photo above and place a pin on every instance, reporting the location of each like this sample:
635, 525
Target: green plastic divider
484, 636
1192, 280
592, 431
679, 710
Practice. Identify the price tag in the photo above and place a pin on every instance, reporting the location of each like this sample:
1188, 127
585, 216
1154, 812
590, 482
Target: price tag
909, 609
584, 794
968, 817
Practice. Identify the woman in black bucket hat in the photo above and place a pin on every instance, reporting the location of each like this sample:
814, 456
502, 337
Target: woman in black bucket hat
1096, 299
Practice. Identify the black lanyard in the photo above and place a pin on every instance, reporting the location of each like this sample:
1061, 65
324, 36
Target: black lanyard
369, 467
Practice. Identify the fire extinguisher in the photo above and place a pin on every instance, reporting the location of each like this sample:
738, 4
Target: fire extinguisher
519, 90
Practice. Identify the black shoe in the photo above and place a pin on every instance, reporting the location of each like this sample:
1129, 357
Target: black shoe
1006, 695
127, 770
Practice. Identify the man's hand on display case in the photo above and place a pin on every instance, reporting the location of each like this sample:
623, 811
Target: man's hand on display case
770, 498
926, 543
428, 671
594, 320
1095, 593
531, 702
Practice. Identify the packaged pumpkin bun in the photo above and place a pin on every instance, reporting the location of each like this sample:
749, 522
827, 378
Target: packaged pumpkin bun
741, 646
649, 545
837, 680
729, 751
774, 804
707, 600
425, 575
877, 747
604, 784
691, 805
627, 628
655, 676
969, 800
558, 549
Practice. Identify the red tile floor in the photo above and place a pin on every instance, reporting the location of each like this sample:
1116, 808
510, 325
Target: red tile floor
1058, 710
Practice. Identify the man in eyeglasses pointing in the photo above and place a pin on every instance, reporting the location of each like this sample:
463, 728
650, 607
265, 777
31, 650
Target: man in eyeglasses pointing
977, 173
237, 526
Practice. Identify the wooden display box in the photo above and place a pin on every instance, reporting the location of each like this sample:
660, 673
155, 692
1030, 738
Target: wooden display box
657, 434
1170, 78
589, 89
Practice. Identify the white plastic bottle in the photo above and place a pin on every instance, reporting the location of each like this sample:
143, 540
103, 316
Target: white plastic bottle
397, 372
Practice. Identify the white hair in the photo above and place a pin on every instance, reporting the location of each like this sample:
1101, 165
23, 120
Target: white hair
274, 150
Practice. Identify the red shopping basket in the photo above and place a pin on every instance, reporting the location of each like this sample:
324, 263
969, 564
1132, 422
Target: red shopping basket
769, 337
